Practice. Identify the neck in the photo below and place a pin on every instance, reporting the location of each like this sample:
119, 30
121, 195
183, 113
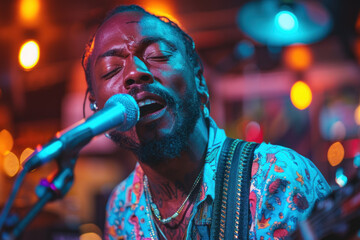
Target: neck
173, 179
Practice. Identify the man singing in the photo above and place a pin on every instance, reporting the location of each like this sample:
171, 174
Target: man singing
174, 193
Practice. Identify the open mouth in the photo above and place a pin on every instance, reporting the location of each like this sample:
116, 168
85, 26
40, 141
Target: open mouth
149, 106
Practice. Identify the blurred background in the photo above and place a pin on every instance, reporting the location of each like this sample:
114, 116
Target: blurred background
279, 71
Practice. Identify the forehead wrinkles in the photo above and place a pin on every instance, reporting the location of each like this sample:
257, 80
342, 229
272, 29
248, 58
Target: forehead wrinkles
119, 30
129, 27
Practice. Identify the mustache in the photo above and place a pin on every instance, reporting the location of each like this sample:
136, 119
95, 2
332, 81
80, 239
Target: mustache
170, 101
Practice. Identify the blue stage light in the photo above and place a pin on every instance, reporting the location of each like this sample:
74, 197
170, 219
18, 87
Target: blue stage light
340, 178
286, 20
357, 160
244, 49
270, 23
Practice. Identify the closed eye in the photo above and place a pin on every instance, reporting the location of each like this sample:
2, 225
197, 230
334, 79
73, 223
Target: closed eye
111, 73
161, 58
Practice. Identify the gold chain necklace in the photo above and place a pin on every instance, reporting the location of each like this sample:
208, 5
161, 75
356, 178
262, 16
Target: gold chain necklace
155, 209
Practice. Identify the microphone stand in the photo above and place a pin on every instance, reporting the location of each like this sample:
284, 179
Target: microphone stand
54, 187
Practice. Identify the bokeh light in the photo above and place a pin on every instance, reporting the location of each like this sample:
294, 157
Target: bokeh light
335, 154
253, 132
301, 95
340, 177
357, 115
357, 160
298, 57
90, 231
244, 49
25, 154
29, 54
286, 21
338, 131
90, 236
6, 141
29, 10
11, 164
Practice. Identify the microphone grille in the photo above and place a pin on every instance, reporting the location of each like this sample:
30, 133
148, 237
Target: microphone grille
132, 112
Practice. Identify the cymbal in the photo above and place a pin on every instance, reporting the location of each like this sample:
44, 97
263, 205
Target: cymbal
271, 23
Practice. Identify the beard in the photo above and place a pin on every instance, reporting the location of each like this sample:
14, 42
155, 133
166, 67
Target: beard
156, 151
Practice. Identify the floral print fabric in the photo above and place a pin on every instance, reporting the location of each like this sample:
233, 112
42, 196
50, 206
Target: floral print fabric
284, 188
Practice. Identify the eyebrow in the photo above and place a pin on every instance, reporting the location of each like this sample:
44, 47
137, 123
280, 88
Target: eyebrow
116, 52
144, 43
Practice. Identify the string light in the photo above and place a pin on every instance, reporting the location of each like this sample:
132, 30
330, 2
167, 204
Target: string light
25, 154
335, 154
6, 142
90, 231
298, 57
301, 95
90, 236
29, 10
11, 164
29, 54
357, 115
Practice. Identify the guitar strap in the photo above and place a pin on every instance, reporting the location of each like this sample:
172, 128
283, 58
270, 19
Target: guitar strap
230, 217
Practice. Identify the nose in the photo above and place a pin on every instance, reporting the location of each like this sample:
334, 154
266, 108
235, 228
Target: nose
136, 72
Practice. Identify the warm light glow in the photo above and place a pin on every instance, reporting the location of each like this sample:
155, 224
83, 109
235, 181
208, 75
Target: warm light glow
335, 154
357, 115
90, 236
29, 54
298, 57
11, 164
161, 8
90, 231
90, 227
29, 9
25, 154
301, 95
6, 141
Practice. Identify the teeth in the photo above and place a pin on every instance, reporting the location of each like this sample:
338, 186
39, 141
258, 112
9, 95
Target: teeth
146, 102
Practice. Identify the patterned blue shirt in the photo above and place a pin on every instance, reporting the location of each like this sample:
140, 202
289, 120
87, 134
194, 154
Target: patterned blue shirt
283, 190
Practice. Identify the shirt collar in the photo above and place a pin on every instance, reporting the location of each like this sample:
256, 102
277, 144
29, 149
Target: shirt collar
217, 137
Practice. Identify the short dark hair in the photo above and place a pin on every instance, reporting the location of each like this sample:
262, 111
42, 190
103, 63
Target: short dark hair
188, 41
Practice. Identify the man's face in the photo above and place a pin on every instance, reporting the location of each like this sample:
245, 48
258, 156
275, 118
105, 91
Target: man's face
138, 54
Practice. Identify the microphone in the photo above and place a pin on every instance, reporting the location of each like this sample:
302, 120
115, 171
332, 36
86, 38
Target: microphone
120, 112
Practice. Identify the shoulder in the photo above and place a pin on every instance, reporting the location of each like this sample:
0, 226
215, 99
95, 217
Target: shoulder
278, 161
285, 186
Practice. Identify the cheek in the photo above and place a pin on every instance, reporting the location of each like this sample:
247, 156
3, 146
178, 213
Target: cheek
104, 90
178, 77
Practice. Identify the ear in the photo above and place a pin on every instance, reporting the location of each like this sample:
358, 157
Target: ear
201, 86
91, 98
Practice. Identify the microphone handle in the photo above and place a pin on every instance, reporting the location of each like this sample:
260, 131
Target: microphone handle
78, 136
